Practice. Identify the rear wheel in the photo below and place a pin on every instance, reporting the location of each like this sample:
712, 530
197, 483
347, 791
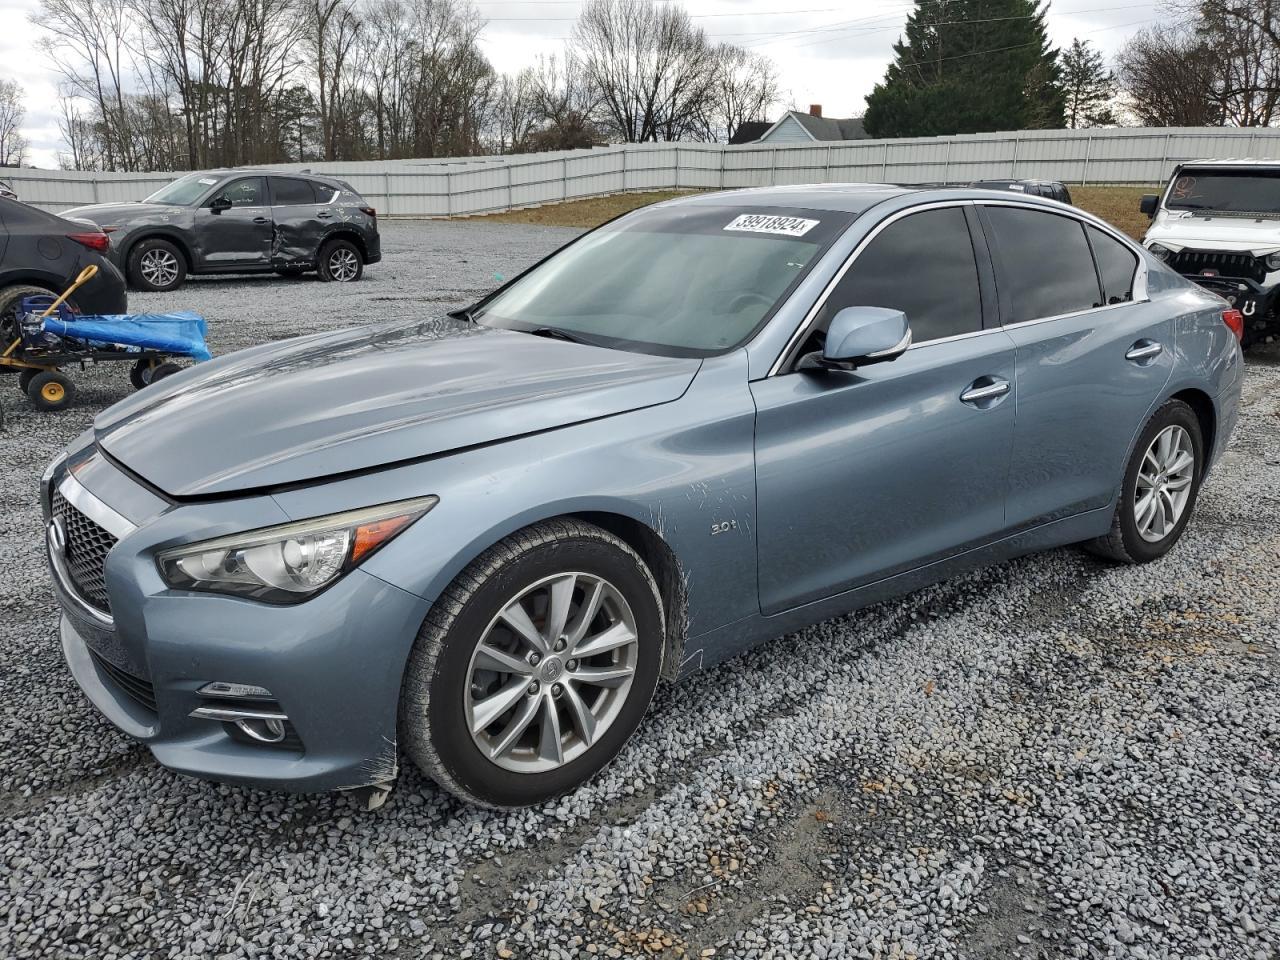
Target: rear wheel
534, 667
157, 264
341, 262
11, 310
1159, 490
25, 378
50, 390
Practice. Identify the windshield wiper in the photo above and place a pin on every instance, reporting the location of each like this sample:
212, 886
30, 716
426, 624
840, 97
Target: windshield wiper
555, 333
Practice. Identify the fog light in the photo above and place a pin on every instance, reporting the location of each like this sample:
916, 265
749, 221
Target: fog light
267, 730
221, 688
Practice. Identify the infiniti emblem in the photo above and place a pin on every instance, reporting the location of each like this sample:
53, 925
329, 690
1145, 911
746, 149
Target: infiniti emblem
57, 536
551, 669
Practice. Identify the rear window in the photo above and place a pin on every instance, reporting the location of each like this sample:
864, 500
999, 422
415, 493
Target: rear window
1117, 265
1046, 266
286, 191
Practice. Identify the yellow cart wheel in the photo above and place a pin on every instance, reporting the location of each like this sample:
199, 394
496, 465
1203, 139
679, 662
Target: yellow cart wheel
50, 390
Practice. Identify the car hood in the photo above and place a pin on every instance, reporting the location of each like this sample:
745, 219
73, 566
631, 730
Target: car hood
1178, 231
305, 409
114, 214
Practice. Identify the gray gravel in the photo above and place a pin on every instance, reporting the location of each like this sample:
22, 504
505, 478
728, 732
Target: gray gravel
1053, 758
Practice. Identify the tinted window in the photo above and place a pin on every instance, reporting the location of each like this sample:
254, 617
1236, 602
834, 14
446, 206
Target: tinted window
288, 192
1117, 264
248, 192
922, 265
1047, 269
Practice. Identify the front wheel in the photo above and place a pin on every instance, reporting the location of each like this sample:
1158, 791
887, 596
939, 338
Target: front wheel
1159, 489
534, 667
157, 264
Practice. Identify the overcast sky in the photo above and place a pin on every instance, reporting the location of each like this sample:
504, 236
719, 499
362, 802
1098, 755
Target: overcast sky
827, 52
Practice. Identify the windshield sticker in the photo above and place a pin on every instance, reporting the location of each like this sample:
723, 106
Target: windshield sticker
208, 181
765, 223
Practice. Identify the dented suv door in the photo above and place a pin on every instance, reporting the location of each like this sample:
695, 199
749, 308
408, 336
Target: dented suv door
300, 211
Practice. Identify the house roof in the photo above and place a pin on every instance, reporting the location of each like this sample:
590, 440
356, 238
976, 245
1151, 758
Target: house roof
750, 131
824, 128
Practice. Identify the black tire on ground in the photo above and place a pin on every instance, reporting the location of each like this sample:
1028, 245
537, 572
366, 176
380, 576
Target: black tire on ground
50, 390
10, 305
156, 264
25, 378
140, 374
433, 711
340, 261
1124, 543
164, 370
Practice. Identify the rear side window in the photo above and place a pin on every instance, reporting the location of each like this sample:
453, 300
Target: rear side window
1046, 267
287, 192
1116, 263
922, 265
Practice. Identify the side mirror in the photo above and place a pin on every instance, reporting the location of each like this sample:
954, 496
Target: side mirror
1148, 204
219, 204
858, 336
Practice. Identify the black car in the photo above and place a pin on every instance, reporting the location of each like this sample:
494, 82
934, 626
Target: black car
41, 253
1052, 189
7, 191
241, 221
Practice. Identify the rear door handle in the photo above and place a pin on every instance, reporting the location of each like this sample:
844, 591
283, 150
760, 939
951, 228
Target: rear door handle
1144, 350
261, 220
980, 391
324, 214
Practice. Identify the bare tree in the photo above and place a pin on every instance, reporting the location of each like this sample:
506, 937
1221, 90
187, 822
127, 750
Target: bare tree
1246, 36
1169, 75
565, 104
13, 146
746, 88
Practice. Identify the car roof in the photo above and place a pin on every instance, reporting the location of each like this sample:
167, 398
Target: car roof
852, 198
1231, 162
265, 172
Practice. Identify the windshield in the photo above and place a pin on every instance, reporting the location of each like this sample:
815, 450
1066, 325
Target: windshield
685, 280
184, 192
1226, 191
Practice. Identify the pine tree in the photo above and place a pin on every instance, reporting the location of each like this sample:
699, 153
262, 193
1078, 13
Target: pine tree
1088, 87
967, 66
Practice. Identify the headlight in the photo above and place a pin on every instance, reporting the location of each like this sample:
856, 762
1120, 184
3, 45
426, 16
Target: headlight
289, 563
1273, 261
1160, 251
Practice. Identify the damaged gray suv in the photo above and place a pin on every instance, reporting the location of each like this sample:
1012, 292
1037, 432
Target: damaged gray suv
240, 221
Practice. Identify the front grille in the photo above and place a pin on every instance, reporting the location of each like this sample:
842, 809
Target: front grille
136, 688
87, 547
1192, 263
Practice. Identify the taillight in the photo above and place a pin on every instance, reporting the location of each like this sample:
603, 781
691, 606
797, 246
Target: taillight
1234, 320
369, 211
94, 241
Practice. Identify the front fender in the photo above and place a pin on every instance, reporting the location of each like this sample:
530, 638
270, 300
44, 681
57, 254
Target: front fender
681, 468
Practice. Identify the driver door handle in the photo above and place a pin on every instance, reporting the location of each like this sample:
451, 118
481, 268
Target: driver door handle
324, 214
987, 391
1144, 350
261, 220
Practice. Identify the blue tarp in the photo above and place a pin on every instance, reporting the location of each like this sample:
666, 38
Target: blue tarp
178, 333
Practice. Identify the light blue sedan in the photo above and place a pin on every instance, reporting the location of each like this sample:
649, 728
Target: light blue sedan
480, 541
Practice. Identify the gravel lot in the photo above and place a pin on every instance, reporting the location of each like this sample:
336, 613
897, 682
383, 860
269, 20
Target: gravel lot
1053, 758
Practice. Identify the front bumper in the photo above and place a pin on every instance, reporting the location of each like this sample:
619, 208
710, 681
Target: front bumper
333, 665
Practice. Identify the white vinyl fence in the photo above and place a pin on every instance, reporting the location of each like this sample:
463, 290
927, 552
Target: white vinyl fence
460, 186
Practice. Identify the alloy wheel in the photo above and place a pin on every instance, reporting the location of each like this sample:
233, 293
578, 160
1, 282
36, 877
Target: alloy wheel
551, 673
159, 267
343, 265
1164, 483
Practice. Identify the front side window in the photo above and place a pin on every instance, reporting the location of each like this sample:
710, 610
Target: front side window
287, 192
1046, 267
688, 280
1117, 265
922, 265
246, 192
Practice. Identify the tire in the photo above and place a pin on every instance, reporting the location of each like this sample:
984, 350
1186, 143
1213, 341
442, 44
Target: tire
164, 370
1126, 542
10, 305
340, 261
444, 678
24, 379
140, 374
50, 390
156, 264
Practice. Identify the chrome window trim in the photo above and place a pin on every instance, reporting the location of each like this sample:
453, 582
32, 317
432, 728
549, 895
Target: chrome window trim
1140, 294
79, 497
